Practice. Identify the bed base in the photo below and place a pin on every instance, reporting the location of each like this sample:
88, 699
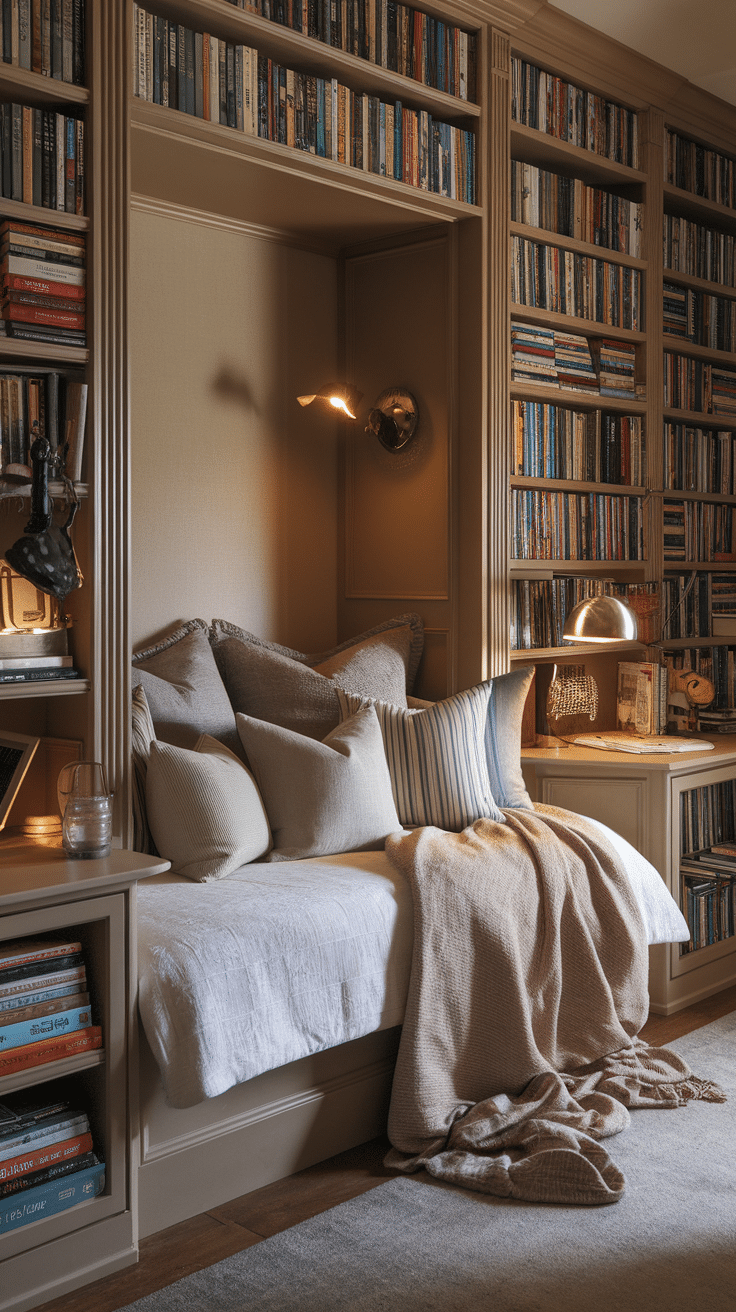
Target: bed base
194, 1159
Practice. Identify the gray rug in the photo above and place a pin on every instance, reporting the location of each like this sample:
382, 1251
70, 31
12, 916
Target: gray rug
667, 1246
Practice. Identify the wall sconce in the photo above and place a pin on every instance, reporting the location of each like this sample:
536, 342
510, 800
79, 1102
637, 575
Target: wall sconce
342, 397
394, 418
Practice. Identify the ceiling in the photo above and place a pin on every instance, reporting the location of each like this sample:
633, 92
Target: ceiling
697, 40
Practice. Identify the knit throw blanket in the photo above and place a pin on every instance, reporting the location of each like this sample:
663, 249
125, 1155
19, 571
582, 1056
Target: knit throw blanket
528, 988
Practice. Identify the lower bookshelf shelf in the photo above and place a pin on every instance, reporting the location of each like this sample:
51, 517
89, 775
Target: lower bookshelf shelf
640, 798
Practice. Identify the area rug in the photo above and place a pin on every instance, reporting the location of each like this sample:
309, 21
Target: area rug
668, 1245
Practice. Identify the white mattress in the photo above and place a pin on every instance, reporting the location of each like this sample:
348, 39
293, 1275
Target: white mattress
281, 960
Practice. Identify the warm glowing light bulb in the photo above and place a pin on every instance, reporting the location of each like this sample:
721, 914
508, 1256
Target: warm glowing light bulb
339, 404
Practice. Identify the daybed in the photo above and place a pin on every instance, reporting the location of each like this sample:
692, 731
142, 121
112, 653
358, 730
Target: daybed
274, 959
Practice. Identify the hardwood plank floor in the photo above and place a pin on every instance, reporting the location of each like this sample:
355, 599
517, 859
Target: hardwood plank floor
206, 1239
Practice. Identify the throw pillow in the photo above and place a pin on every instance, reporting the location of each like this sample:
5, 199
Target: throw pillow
503, 737
142, 735
204, 809
322, 797
184, 689
437, 759
298, 692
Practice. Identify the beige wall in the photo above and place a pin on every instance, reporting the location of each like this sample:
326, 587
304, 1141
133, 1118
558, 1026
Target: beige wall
233, 484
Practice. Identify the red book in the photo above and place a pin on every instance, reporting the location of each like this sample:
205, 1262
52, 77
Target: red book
33, 298
26, 1162
39, 314
22, 283
45, 1050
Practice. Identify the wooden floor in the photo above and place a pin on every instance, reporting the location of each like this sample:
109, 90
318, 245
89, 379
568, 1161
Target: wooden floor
214, 1235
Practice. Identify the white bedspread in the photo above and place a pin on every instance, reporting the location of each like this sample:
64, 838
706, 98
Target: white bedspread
245, 974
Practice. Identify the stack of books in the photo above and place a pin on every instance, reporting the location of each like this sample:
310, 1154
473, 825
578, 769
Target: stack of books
32, 669
574, 363
717, 721
615, 365
43, 283
44, 1004
533, 354
709, 894
47, 1161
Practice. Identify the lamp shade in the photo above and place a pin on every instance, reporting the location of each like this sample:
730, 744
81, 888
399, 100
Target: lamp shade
601, 619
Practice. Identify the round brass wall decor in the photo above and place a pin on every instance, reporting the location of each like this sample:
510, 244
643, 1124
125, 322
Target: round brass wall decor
394, 418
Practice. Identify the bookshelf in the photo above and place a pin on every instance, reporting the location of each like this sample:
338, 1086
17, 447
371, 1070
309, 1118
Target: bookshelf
46, 893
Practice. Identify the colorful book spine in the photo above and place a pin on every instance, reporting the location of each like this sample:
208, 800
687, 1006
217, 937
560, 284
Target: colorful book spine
44, 1027
550, 278
552, 105
42, 1176
48, 1199
36, 1159
54, 1049
569, 207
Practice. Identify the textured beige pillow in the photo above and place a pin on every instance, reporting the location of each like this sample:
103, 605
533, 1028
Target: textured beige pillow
204, 809
142, 735
298, 692
184, 689
322, 797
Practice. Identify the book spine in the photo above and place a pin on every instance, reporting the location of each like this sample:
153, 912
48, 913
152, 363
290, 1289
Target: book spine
31, 1031
41, 287
46, 1050
40, 1158
54, 1172
13, 956
37, 314
32, 1010
42, 269
48, 1199
64, 1126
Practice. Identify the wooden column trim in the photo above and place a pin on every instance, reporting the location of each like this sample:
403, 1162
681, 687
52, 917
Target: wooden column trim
108, 205
499, 346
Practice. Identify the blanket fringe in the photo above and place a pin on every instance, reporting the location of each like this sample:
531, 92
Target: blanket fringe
690, 1090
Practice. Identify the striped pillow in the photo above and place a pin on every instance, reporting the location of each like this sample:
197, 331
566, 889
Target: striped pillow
436, 758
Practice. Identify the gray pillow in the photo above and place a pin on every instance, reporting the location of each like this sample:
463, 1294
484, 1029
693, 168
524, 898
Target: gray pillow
204, 809
184, 689
503, 737
297, 691
142, 735
322, 797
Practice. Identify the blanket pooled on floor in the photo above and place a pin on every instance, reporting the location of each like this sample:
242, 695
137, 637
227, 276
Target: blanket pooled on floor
528, 988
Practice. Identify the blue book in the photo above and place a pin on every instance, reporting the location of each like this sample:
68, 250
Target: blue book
55, 1196
44, 1027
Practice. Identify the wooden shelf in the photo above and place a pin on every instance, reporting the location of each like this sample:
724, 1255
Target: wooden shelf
700, 284
534, 147
570, 324
523, 391
699, 418
56, 489
687, 566
25, 87
52, 1070
683, 346
570, 485
607, 567
44, 688
534, 654
690, 206
549, 238
675, 494
681, 644
188, 161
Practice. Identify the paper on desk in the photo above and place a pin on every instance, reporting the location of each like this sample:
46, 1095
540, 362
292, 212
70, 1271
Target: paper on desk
641, 746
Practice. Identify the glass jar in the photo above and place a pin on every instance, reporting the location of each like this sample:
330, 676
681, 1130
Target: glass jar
87, 810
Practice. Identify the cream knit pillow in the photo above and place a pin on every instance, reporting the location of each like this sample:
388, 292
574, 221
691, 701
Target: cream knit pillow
204, 809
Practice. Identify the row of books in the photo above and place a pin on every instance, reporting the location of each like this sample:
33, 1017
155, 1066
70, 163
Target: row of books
569, 283
570, 207
699, 459
641, 698
708, 899
718, 664
699, 317
590, 446
47, 1160
540, 607
576, 526
44, 1003
550, 104
707, 816
235, 86
703, 252
698, 530
44, 38
46, 404
43, 283
690, 602
392, 35
42, 157
698, 169
570, 360
691, 384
